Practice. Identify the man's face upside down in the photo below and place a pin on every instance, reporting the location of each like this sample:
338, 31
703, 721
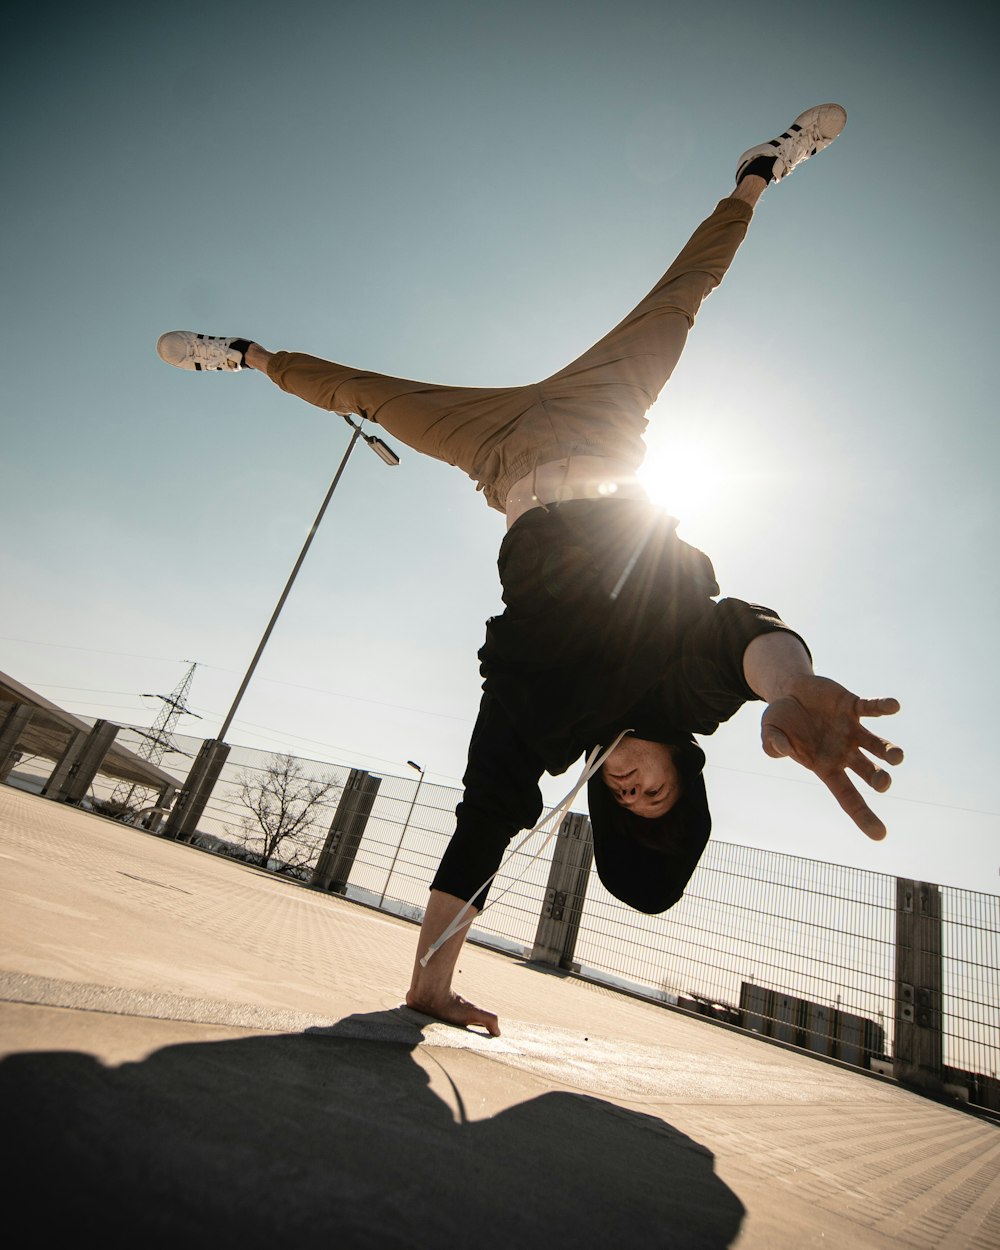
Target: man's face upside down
642, 776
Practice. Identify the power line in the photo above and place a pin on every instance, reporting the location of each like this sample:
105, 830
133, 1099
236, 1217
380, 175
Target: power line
156, 740
64, 646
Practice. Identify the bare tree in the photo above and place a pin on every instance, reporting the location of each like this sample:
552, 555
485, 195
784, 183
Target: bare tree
283, 807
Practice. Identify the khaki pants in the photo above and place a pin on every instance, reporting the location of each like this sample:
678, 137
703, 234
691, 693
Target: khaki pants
595, 406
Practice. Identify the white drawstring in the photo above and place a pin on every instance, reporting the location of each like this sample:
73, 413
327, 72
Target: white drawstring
558, 813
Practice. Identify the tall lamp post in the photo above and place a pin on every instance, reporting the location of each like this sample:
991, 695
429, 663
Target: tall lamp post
190, 805
406, 825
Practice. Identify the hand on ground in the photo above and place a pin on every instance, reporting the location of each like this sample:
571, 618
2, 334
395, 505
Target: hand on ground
818, 724
452, 1008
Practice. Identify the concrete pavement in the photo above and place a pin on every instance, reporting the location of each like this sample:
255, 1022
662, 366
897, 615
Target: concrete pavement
194, 1052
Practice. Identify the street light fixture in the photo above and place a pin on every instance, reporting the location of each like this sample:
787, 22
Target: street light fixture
406, 825
382, 450
205, 771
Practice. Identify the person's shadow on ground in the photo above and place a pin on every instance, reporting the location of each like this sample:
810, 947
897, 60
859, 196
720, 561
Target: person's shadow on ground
333, 1137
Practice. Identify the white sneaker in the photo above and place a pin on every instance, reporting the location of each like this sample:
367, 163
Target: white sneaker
811, 132
186, 350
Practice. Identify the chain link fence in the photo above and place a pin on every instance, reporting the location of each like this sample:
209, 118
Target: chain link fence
801, 951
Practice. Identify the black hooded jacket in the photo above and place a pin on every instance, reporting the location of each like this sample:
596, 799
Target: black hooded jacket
610, 623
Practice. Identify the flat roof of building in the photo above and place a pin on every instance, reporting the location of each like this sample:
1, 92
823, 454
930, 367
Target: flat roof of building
196, 1052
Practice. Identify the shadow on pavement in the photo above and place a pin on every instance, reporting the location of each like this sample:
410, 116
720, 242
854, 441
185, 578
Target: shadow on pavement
334, 1137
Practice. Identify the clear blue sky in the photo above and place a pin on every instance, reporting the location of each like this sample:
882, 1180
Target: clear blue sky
473, 193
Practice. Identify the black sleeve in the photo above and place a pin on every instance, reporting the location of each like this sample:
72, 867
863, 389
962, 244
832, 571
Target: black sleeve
501, 797
705, 685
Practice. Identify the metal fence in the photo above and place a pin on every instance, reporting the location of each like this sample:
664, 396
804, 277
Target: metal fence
809, 953
971, 993
763, 933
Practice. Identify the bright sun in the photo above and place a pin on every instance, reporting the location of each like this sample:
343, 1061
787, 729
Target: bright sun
685, 478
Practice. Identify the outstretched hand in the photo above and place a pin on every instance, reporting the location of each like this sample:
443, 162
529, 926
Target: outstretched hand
817, 723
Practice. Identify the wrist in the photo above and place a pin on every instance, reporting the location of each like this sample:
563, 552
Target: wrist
791, 685
430, 983
774, 664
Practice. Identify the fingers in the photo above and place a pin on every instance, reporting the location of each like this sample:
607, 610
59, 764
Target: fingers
855, 806
461, 1011
453, 1009
881, 781
774, 742
868, 771
485, 1018
881, 748
493, 1026
828, 739
876, 707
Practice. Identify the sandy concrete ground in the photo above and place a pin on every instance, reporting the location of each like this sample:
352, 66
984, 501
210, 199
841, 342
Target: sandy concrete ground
197, 1053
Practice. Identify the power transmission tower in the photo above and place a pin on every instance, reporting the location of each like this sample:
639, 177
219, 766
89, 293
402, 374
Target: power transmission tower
157, 740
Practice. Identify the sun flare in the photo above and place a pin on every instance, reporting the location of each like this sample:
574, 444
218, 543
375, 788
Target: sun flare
685, 478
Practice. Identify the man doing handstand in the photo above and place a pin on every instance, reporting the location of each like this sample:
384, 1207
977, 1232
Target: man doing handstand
612, 634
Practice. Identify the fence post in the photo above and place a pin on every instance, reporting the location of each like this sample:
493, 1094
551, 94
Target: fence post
559, 924
13, 725
333, 867
79, 762
84, 768
918, 1052
182, 822
70, 753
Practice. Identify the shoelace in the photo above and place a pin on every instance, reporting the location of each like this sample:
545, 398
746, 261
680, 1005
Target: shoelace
810, 139
558, 814
211, 353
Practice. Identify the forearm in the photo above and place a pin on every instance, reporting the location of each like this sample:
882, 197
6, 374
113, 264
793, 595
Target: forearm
433, 982
430, 988
501, 796
773, 663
